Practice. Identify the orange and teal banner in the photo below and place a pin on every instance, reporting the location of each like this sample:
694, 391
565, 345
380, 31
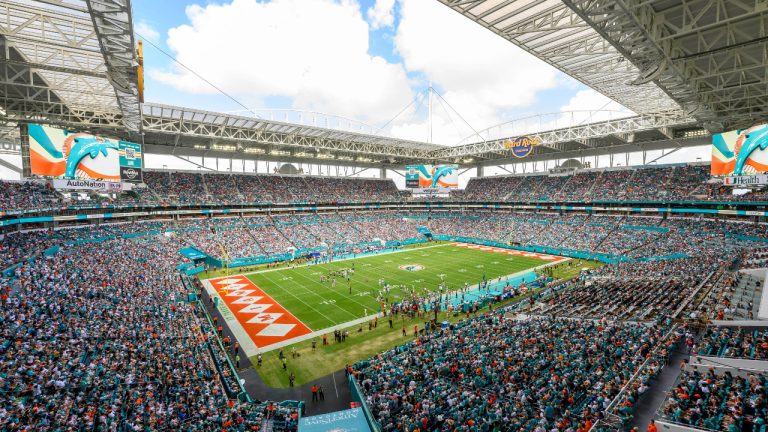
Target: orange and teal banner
61, 153
431, 176
740, 152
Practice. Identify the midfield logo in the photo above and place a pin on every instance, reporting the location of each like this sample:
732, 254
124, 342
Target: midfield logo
412, 267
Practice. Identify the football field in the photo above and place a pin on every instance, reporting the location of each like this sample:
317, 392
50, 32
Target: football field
286, 306
308, 296
320, 305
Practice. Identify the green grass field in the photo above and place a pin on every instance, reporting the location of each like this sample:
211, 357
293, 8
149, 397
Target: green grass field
319, 305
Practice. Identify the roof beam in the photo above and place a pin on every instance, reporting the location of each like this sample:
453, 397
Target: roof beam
114, 29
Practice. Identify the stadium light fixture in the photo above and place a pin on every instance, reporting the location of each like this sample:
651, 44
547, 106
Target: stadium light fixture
223, 147
254, 150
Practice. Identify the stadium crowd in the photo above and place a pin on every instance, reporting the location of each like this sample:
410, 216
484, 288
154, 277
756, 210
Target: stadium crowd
97, 334
101, 341
724, 399
494, 372
666, 183
750, 343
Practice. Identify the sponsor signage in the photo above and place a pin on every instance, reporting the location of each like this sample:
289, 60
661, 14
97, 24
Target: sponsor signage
522, 146
740, 152
132, 175
130, 162
432, 176
101, 185
351, 420
65, 154
760, 179
431, 192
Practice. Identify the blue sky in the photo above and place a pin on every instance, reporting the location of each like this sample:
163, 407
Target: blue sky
313, 55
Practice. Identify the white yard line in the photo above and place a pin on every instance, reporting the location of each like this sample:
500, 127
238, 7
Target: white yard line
347, 259
250, 349
302, 301
365, 319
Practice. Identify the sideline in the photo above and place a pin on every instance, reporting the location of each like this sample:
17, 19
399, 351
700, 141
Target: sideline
347, 259
251, 350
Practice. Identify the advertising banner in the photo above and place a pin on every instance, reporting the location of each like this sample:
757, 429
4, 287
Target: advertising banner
760, 179
521, 146
431, 176
130, 161
61, 153
351, 420
740, 152
57, 152
101, 185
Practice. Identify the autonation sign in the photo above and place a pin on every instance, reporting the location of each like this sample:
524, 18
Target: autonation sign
90, 185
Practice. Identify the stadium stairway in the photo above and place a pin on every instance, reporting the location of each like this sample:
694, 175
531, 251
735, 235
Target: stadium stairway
654, 397
280, 231
608, 234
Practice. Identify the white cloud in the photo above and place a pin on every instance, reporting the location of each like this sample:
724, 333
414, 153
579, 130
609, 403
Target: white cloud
483, 75
312, 51
146, 31
382, 14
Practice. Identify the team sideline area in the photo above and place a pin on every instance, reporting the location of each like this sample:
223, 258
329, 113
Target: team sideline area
384, 216
338, 293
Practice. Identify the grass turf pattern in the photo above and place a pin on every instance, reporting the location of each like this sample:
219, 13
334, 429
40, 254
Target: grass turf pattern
320, 305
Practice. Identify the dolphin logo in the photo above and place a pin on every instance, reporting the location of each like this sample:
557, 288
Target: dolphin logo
440, 172
753, 139
85, 146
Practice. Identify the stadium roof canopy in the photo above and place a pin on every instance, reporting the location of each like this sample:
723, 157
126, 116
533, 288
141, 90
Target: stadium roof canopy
706, 58
685, 67
69, 61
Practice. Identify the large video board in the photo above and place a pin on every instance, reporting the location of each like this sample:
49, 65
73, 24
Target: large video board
740, 152
61, 153
432, 176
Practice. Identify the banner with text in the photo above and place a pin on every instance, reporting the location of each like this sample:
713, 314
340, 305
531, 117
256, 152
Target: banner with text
761, 179
91, 185
130, 161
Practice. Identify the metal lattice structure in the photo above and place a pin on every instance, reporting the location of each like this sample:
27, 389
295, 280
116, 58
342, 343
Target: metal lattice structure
204, 130
683, 65
53, 66
705, 58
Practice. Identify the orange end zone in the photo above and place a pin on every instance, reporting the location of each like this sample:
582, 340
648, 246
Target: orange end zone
262, 318
544, 257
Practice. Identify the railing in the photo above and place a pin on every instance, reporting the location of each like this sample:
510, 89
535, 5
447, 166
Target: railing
611, 409
357, 396
226, 354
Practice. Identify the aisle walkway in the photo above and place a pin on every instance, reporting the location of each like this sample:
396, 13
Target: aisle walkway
651, 401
